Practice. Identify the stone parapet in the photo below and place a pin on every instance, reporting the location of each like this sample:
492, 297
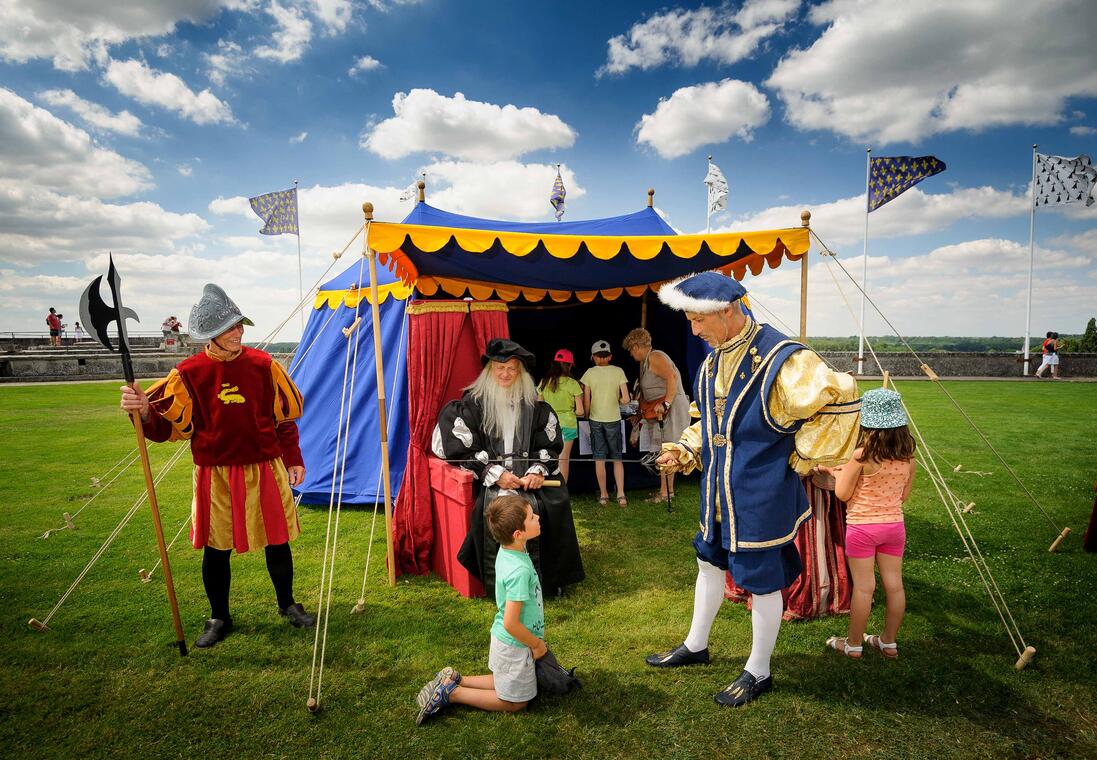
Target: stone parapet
956, 364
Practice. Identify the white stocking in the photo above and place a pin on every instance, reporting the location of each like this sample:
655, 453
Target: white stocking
765, 624
708, 595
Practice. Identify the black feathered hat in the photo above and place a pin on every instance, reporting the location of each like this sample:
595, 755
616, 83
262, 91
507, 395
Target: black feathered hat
501, 350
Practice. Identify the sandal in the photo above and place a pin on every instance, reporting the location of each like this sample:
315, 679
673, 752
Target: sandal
890, 651
603, 501
655, 499
842, 645
622, 501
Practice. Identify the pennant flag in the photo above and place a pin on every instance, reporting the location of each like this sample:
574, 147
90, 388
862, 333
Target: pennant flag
410, 192
717, 189
1063, 180
891, 176
557, 196
278, 212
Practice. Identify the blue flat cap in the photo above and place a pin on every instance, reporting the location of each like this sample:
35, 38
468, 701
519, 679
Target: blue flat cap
704, 293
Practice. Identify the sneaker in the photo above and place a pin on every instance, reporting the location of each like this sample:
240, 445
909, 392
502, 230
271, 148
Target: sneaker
444, 674
214, 631
297, 615
439, 698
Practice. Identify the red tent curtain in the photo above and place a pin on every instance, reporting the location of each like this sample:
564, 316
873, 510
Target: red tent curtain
489, 321
433, 334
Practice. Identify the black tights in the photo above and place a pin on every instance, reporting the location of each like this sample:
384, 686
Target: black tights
217, 576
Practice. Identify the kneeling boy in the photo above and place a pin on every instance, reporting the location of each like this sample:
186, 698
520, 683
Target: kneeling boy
517, 634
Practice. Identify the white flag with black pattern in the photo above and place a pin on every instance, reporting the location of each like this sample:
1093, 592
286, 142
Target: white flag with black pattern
1064, 180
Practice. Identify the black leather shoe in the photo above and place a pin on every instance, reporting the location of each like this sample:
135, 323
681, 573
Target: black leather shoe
677, 657
743, 689
297, 615
214, 631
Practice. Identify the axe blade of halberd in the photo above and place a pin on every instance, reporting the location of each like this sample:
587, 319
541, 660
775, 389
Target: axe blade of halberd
97, 314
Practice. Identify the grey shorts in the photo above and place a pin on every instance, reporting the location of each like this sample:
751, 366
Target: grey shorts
512, 667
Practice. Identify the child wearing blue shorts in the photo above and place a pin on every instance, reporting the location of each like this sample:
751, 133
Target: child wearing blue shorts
606, 388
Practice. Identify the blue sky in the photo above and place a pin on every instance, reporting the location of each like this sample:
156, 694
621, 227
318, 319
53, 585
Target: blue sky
143, 129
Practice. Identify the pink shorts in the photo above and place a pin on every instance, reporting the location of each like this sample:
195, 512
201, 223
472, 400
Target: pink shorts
863, 541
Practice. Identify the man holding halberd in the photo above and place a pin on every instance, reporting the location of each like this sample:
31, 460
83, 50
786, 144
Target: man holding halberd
769, 410
510, 442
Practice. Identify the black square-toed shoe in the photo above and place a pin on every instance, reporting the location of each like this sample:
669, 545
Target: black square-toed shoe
214, 631
297, 615
677, 657
743, 689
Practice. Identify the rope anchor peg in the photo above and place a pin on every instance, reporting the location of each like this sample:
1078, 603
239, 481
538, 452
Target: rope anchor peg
349, 330
1025, 658
37, 625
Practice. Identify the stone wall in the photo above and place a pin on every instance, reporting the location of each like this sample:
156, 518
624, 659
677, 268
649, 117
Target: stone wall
961, 364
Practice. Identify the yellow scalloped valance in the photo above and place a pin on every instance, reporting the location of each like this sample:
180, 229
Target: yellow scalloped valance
333, 299
388, 237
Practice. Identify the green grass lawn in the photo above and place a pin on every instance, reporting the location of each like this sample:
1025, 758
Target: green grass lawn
106, 679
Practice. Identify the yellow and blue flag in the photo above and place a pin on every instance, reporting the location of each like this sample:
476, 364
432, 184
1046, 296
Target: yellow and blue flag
278, 212
891, 176
557, 196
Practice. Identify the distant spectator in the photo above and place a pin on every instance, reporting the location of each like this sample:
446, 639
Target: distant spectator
1050, 350
78, 333
53, 320
168, 326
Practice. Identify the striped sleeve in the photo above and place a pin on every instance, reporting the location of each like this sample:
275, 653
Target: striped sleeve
288, 402
171, 403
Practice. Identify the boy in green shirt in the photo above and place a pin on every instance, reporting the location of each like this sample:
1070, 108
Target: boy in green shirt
605, 386
517, 633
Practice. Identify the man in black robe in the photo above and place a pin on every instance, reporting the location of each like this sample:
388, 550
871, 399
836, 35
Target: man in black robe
510, 441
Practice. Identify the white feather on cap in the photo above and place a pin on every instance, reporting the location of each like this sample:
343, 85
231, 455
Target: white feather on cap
726, 292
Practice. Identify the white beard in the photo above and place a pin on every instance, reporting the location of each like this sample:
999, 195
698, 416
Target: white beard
500, 404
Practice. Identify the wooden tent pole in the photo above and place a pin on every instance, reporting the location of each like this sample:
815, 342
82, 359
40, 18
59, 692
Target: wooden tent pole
644, 310
805, 220
382, 417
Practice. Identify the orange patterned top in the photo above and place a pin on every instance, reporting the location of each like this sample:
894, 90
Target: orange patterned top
878, 498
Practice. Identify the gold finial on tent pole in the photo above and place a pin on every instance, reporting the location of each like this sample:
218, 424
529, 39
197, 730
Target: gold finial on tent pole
805, 221
651, 197
422, 191
367, 209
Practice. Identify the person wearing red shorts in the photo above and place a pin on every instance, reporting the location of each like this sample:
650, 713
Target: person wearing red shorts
874, 485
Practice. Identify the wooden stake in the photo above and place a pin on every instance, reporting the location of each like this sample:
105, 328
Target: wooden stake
1055, 544
150, 487
1025, 658
37, 625
360, 607
887, 379
928, 372
382, 415
970, 506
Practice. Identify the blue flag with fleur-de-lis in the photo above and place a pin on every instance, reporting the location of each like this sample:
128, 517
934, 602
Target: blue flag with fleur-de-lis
278, 212
891, 176
557, 196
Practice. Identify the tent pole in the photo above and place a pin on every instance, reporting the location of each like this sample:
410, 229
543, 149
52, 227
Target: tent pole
805, 220
644, 310
369, 253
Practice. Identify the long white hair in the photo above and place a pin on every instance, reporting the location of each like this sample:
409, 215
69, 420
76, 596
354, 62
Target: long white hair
499, 402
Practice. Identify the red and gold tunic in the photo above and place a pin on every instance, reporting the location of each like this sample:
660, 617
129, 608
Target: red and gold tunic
239, 416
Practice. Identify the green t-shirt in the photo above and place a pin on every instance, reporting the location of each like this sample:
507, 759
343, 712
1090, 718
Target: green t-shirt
605, 392
562, 400
516, 581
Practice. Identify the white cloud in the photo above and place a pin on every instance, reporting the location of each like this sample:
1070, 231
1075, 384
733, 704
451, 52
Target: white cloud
885, 72
975, 287
687, 37
229, 60
93, 114
467, 129
39, 150
292, 38
703, 114
40, 225
145, 85
73, 33
298, 139
914, 212
1083, 131
185, 169
364, 63
333, 14
498, 190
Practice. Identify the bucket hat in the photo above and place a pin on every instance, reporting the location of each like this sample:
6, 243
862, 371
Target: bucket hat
882, 408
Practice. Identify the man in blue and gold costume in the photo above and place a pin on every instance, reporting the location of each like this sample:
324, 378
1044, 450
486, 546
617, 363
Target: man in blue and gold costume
767, 411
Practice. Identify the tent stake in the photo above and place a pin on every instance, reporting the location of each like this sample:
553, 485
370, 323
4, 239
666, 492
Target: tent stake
1025, 658
369, 253
1055, 544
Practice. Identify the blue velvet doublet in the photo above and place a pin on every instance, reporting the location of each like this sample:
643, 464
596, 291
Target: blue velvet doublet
744, 456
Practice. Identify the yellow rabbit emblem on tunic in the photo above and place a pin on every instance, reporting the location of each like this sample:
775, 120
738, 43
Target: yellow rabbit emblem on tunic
229, 395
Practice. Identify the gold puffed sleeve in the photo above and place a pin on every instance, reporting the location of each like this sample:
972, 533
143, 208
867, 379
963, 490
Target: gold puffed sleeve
688, 446
170, 399
829, 403
288, 402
